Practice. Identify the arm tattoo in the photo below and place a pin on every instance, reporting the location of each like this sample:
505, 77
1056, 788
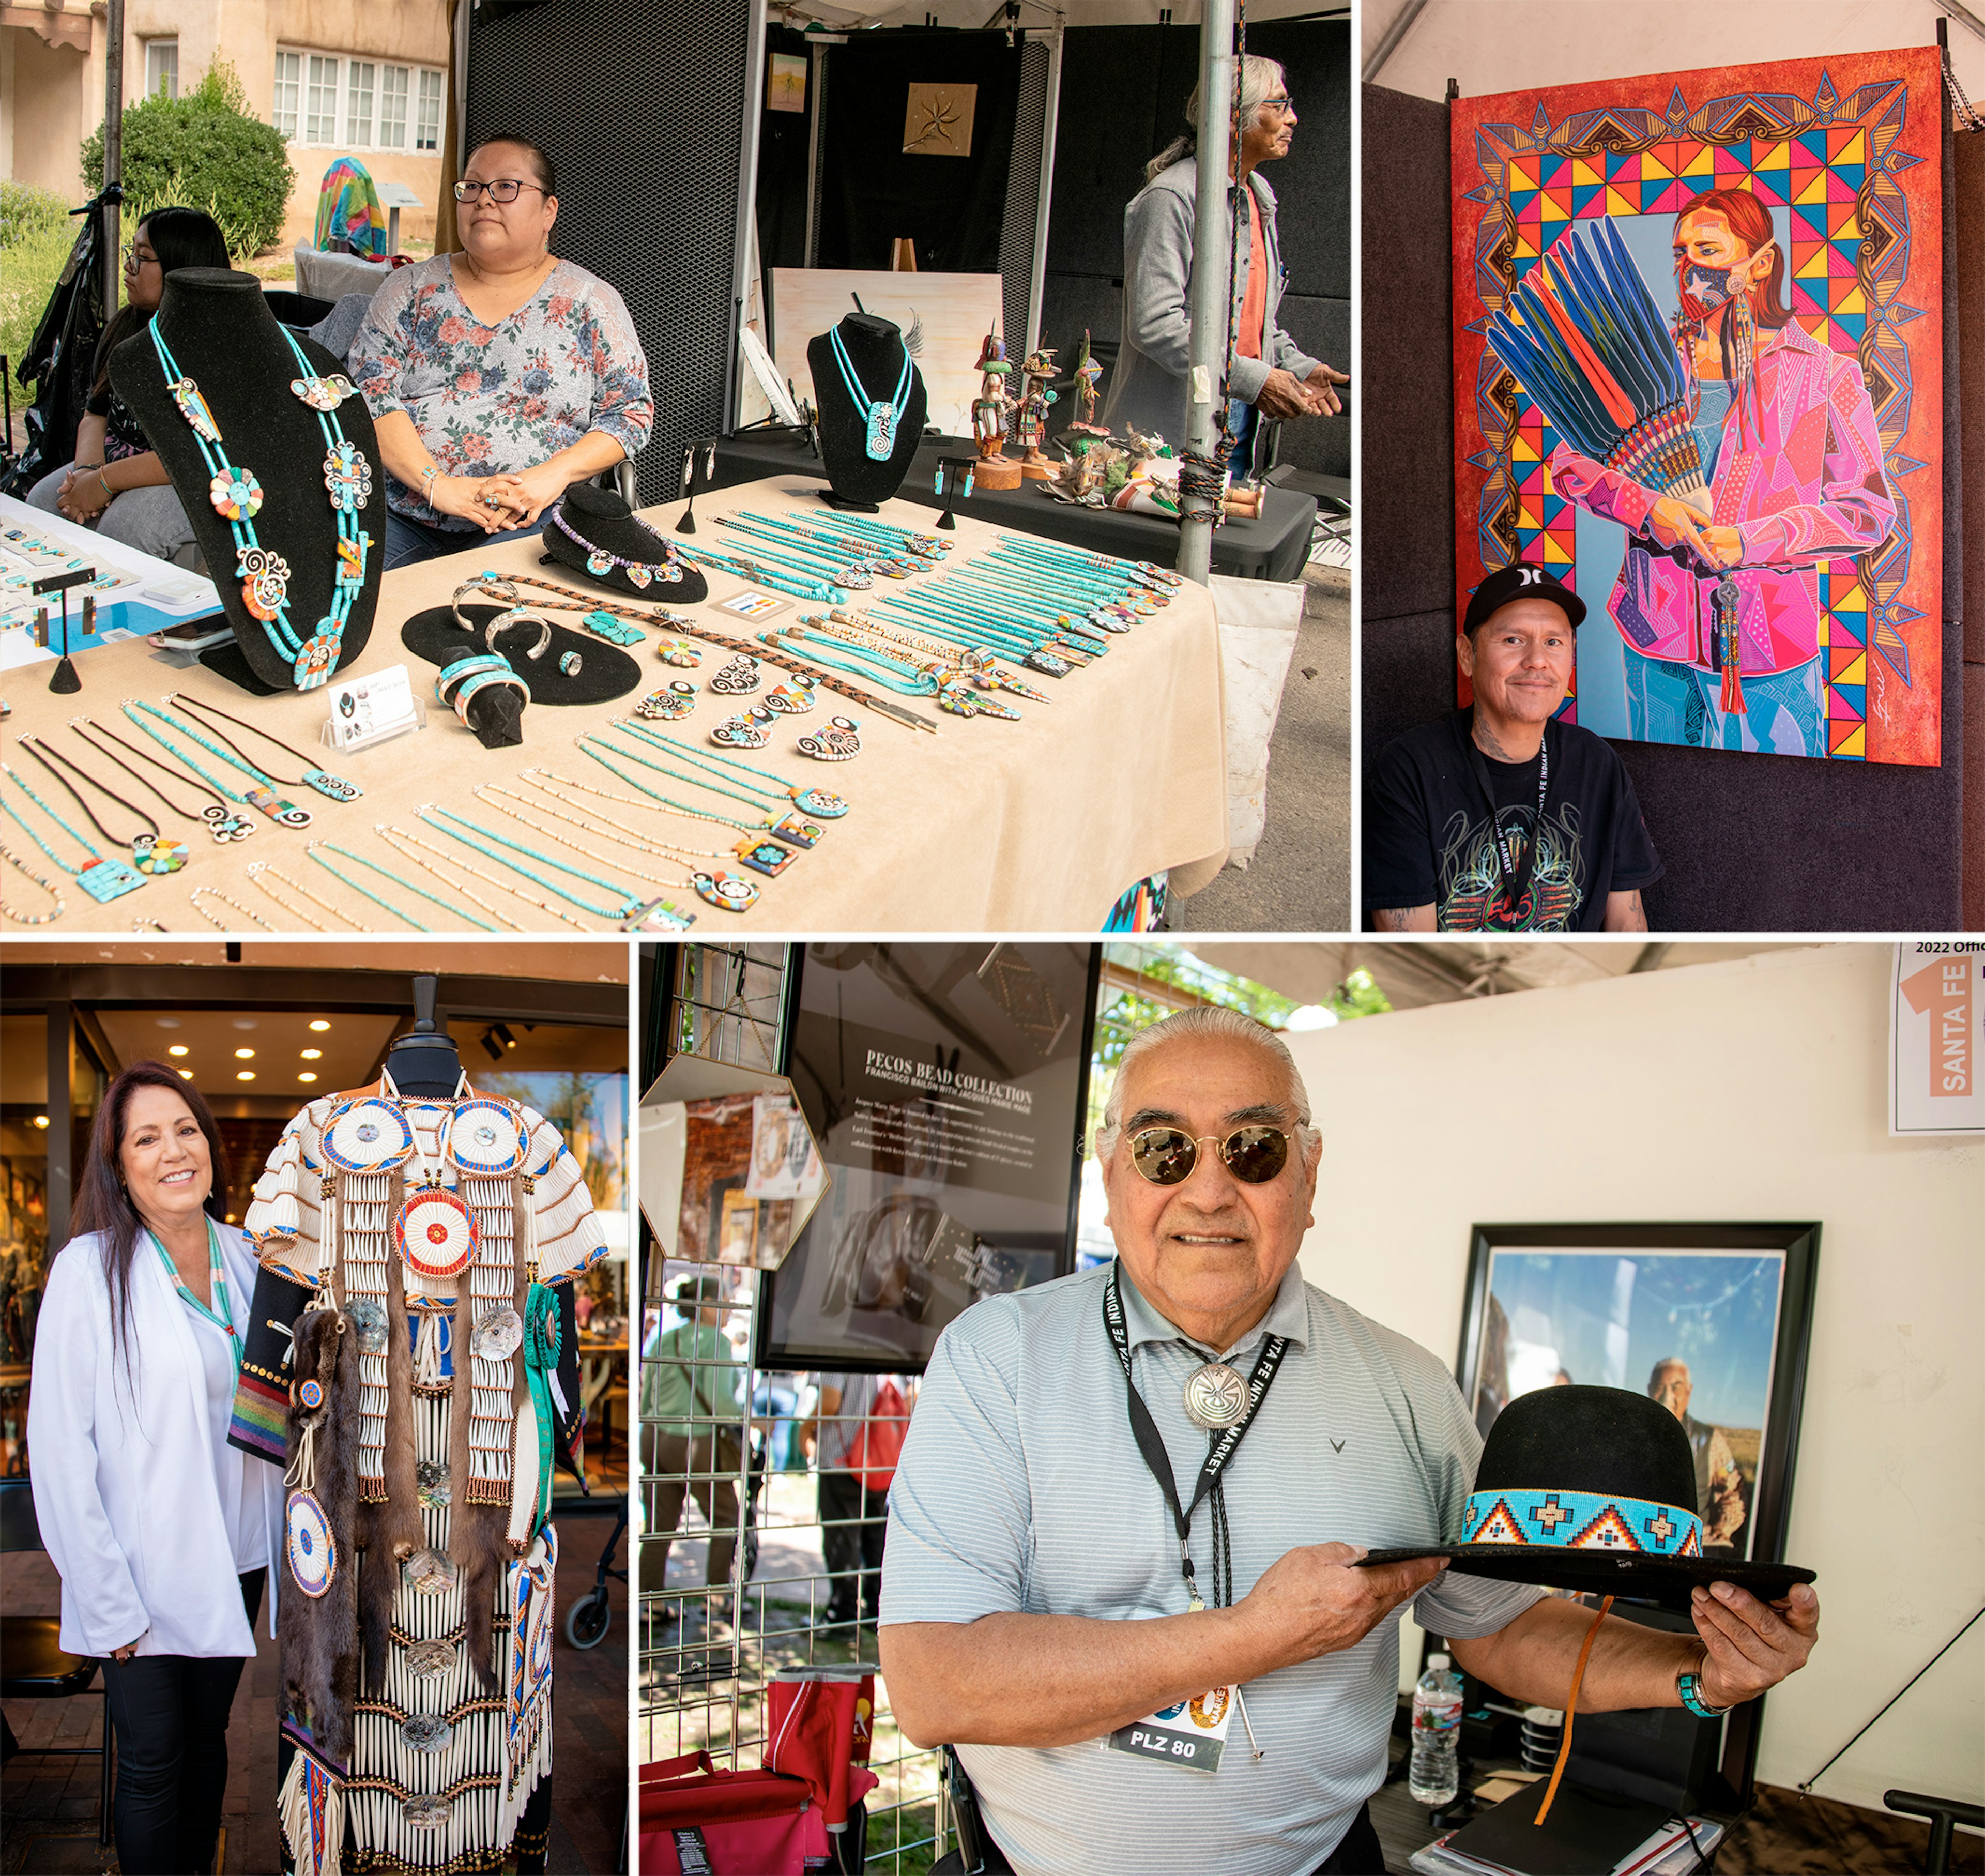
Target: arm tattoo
1398, 918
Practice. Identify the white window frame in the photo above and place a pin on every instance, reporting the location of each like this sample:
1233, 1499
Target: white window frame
321, 99
437, 93
362, 92
286, 112
153, 48
391, 95
389, 113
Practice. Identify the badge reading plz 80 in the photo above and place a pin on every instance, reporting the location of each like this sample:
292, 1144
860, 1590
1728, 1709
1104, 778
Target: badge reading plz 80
1190, 1736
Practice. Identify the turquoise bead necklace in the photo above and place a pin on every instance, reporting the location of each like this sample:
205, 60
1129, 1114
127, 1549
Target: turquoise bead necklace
1016, 640
879, 420
222, 1313
753, 574
587, 743
855, 576
807, 800
393, 836
632, 911
236, 496
878, 555
102, 879
877, 529
876, 667
284, 814
317, 850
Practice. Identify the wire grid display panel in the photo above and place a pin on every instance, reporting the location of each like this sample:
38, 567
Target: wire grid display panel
705, 1652
643, 111
1018, 218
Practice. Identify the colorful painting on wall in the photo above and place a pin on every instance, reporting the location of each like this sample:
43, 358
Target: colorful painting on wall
1698, 375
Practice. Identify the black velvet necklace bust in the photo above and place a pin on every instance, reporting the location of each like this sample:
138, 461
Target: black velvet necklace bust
875, 349
221, 331
600, 519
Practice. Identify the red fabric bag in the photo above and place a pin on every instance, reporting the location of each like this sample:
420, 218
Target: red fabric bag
872, 1458
819, 1726
697, 1820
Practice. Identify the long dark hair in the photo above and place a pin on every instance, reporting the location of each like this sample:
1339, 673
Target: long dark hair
101, 1203
181, 237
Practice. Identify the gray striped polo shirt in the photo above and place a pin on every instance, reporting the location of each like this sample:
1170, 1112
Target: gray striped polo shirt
1021, 1488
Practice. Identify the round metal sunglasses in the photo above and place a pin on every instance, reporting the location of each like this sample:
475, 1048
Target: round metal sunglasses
1166, 1155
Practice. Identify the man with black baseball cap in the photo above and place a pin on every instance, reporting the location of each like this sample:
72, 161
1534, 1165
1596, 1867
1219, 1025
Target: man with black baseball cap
1501, 818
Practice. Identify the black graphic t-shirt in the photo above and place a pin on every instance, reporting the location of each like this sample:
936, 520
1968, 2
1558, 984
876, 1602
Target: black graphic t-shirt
1427, 838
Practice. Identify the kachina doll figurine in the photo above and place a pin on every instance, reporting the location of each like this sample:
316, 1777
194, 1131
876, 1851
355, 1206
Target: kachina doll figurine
989, 412
1030, 419
1088, 375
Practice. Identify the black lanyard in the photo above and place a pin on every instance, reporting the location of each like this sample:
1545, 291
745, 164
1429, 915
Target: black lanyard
1151, 1443
1516, 874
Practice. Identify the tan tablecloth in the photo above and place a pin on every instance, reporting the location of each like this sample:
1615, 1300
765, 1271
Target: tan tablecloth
1034, 826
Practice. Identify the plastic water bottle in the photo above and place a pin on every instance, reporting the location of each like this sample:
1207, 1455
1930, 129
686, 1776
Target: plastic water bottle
1436, 1776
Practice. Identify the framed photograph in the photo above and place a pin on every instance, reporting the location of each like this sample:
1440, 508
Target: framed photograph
786, 82
1713, 1320
946, 1085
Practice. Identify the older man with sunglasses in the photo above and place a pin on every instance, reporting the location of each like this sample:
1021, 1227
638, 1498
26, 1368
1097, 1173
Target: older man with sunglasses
1125, 1530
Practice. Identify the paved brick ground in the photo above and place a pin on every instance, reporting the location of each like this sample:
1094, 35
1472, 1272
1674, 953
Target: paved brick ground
44, 1800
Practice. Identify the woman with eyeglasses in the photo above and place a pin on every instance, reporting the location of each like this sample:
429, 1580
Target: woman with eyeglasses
1268, 374
498, 376
161, 1531
117, 484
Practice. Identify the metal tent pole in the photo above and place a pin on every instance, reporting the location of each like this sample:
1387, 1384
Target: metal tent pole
113, 147
1211, 233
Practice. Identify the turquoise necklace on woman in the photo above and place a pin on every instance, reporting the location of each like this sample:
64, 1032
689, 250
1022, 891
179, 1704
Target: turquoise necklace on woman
221, 1314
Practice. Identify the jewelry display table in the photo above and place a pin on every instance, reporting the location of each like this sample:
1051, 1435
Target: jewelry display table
1038, 825
1273, 547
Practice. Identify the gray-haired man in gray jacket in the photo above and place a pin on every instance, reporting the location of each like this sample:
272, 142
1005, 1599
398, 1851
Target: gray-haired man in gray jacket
1268, 375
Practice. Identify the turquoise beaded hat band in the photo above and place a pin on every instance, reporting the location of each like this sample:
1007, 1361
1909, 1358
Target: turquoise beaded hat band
1594, 1489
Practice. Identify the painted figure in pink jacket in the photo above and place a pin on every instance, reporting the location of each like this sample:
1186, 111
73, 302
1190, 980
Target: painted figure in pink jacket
1794, 463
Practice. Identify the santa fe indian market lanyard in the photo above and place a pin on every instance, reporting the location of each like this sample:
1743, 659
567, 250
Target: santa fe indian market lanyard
1156, 1737
1516, 874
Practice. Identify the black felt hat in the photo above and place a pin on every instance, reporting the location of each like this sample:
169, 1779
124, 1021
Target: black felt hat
1593, 1488
593, 532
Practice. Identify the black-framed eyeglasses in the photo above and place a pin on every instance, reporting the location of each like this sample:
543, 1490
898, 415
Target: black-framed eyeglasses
134, 259
1284, 105
503, 190
1166, 1155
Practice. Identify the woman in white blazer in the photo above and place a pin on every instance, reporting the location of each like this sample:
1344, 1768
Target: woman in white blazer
161, 1531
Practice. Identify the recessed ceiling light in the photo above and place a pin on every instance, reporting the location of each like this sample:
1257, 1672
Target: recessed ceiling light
244, 1055
186, 1074
305, 1075
246, 1075
41, 1120
313, 1055
178, 1048
247, 1022
169, 1022
320, 1025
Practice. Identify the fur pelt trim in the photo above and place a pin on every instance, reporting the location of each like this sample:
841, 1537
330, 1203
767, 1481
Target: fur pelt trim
479, 1535
318, 1638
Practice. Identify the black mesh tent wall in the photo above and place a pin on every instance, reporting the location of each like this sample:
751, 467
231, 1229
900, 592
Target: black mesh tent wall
651, 114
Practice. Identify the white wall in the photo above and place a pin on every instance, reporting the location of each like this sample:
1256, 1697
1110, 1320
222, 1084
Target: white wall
1755, 1089
1489, 46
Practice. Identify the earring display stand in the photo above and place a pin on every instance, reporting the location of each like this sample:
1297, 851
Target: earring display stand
218, 326
874, 350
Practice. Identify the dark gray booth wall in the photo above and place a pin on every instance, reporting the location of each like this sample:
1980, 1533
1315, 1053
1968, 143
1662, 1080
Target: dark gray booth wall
1750, 843
1124, 90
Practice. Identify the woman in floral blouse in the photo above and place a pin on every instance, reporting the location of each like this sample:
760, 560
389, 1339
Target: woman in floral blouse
499, 375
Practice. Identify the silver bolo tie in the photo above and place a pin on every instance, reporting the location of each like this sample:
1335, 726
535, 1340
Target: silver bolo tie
1216, 1398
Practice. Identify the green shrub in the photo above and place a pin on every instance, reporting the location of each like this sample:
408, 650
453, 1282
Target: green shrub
26, 210
36, 233
204, 149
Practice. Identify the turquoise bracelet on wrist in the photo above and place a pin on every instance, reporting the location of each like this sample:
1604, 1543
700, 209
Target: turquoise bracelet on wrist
1689, 1686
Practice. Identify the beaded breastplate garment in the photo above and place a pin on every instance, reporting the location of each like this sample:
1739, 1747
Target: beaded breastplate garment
445, 1235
